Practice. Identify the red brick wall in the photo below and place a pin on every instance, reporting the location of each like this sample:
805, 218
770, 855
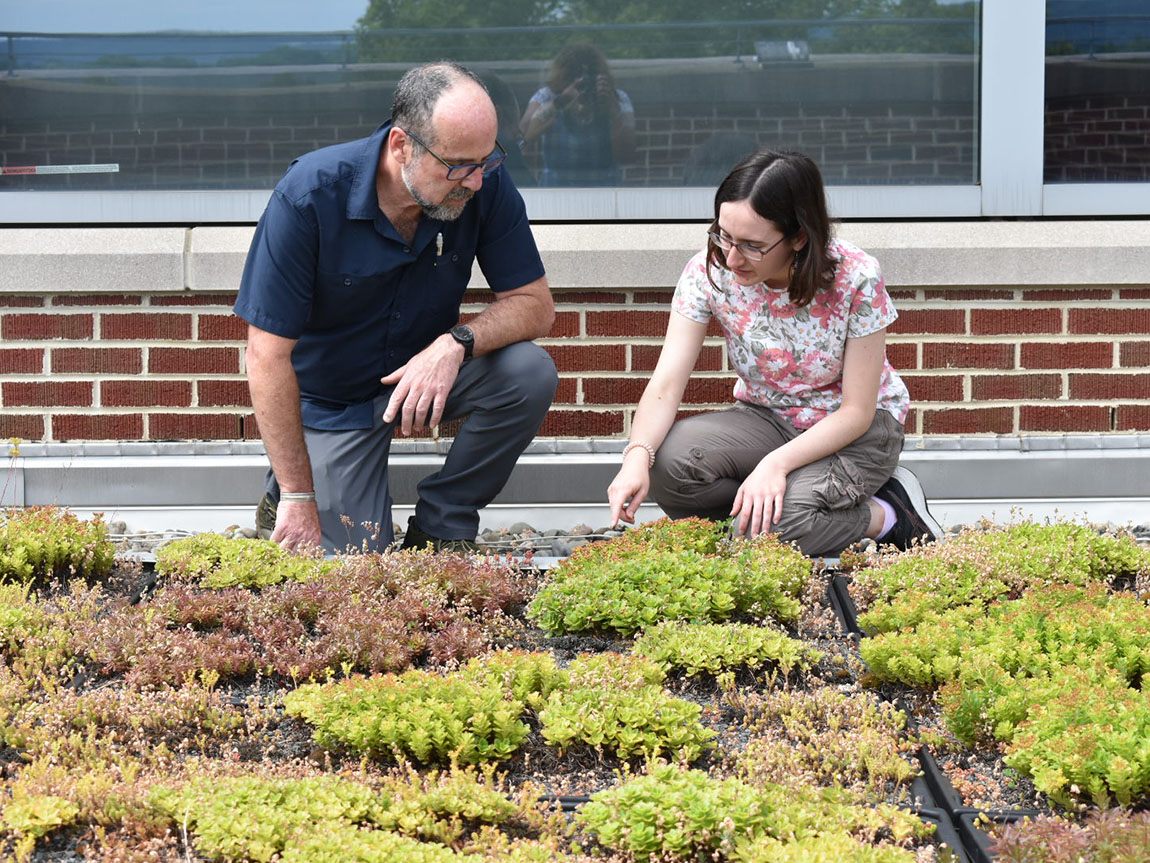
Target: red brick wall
998, 361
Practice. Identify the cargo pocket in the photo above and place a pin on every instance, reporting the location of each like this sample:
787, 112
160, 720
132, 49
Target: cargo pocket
842, 486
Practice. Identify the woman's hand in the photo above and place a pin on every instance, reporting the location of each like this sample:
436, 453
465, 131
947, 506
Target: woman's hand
759, 500
629, 487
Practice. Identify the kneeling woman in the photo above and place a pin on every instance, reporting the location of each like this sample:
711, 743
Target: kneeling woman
810, 449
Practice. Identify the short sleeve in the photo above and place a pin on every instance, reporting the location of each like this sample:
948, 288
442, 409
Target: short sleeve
693, 292
506, 250
871, 307
278, 282
543, 94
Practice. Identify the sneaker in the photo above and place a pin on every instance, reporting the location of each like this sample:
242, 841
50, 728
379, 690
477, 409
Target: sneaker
415, 537
913, 521
265, 517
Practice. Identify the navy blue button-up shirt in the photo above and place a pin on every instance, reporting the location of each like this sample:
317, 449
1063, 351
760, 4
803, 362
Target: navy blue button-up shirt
326, 267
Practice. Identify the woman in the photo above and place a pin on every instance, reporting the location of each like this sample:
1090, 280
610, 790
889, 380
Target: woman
811, 447
586, 124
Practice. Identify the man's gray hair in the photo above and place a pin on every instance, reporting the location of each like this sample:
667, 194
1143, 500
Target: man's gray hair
418, 92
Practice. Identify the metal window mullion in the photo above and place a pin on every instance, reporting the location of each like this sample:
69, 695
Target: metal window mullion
1013, 100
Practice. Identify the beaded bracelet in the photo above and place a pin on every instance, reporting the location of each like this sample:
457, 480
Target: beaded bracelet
296, 496
638, 444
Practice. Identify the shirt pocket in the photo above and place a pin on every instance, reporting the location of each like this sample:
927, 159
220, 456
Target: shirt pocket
342, 299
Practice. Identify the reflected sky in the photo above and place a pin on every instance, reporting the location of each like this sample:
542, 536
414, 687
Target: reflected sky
139, 16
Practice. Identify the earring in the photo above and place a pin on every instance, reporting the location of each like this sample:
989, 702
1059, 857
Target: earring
794, 266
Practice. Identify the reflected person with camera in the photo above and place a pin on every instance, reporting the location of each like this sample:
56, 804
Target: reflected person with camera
584, 123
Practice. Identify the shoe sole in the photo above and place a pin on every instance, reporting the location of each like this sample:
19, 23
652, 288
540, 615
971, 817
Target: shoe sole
913, 489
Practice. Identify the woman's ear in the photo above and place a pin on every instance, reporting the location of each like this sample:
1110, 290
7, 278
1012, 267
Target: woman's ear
800, 240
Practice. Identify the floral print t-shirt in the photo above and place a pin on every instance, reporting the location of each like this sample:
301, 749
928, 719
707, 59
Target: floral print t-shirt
787, 358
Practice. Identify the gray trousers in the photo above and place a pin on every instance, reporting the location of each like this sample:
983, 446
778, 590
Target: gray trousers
705, 459
504, 396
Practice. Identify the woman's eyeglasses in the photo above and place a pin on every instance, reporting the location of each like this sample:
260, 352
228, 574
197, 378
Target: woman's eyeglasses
751, 253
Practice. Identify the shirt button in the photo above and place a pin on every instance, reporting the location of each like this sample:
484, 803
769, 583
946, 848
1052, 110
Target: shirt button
454, 257
396, 316
407, 250
347, 281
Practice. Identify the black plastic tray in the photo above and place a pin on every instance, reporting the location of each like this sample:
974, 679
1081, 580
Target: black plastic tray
946, 834
844, 605
977, 840
942, 791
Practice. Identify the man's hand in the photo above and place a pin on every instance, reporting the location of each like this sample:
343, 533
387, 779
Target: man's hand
423, 384
297, 525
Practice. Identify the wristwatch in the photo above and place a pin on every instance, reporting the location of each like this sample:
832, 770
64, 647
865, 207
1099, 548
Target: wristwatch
466, 337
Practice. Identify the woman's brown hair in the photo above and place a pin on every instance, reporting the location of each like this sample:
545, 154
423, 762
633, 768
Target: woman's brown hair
786, 188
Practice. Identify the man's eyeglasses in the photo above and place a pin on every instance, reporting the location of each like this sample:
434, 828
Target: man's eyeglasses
751, 253
462, 172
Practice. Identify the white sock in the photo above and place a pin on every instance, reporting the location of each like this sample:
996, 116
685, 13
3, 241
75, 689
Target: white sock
888, 516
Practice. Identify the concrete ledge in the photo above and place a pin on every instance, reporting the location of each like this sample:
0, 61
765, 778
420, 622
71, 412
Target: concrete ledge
619, 256
62, 260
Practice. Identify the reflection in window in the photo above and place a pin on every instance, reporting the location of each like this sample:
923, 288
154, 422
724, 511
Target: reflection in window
1097, 125
876, 91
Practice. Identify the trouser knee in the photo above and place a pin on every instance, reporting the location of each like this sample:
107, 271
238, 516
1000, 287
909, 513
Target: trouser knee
529, 374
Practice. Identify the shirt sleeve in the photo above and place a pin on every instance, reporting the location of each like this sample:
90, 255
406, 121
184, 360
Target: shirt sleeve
278, 283
871, 306
693, 292
506, 250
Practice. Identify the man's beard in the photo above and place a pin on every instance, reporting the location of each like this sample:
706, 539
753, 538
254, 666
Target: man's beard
443, 211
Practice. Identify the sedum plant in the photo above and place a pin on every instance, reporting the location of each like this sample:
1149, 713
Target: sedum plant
712, 648
822, 848
1104, 836
981, 566
43, 542
676, 813
670, 571
218, 562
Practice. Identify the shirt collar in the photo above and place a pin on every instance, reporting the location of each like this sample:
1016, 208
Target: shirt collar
363, 202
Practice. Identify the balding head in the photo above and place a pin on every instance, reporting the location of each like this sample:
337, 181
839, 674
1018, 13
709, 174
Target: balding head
428, 95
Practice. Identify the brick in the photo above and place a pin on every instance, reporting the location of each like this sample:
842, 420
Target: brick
902, 355
566, 298
1076, 295
1016, 387
967, 295
250, 426
145, 326
1063, 418
98, 300
644, 358
1134, 293
17, 302
1135, 321
1111, 386
576, 423
937, 355
626, 323
968, 421
96, 361
222, 328
992, 322
709, 391
24, 426
189, 299
46, 327
17, 361
1066, 355
195, 426
934, 388
566, 392
47, 393
145, 393
911, 423
585, 358
928, 321
1134, 354
662, 298
613, 391
97, 427
194, 361
1132, 418
223, 393
566, 326
897, 294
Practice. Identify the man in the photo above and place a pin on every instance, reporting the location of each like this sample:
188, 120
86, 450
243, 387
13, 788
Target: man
352, 290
